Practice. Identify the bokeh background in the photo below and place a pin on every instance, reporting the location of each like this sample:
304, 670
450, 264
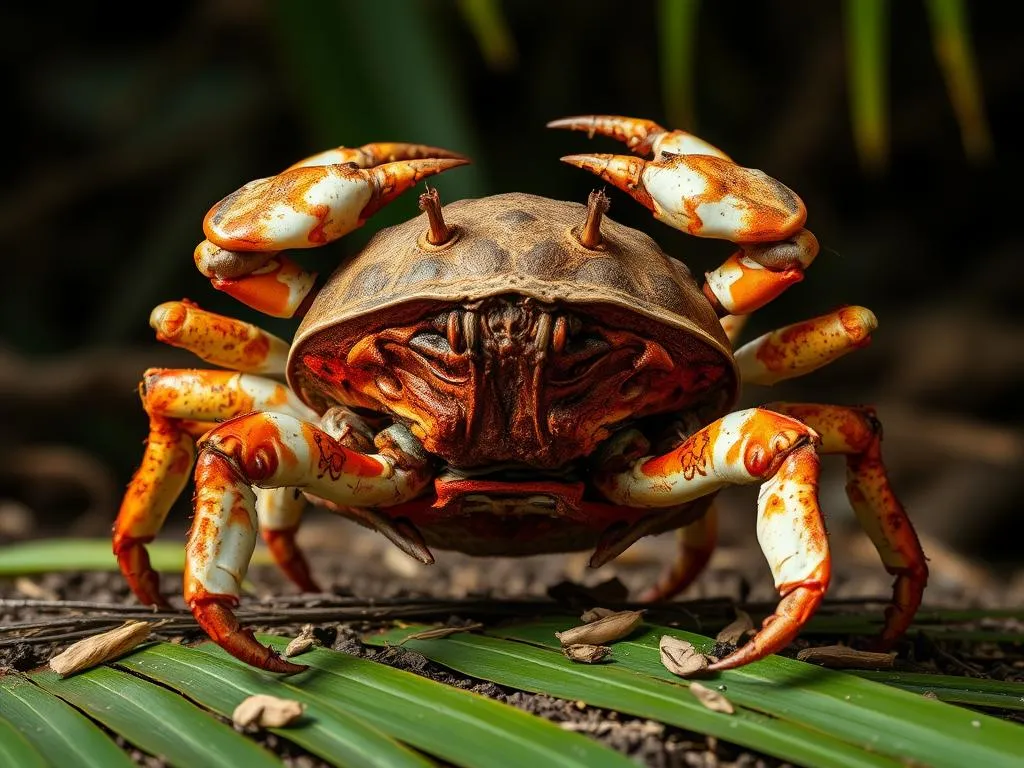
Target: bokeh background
124, 126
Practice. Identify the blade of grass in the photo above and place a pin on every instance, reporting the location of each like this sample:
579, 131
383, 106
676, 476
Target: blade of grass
951, 37
952, 688
15, 749
61, 734
48, 555
870, 715
867, 23
540, 670
487, 22
156, 720
220, 685
478, 732
677, 43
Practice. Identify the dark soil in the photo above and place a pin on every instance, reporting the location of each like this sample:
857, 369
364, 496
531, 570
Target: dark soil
364, 566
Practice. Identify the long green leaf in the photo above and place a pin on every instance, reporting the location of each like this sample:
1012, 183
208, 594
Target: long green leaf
859, 711
951, 38
48, 555
218, 684
478, 732
952, 688
540, 670
156, 720
867, 23
677, 42
16, 750
61, 734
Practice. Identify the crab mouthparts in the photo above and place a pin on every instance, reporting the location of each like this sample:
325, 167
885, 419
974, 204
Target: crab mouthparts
526, 488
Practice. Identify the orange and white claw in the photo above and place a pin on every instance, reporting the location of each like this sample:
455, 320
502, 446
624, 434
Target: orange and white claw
279, 288
739, 449
309, 206
792, 535
703, 195
217, 339
376, 153
804, 347
643, 137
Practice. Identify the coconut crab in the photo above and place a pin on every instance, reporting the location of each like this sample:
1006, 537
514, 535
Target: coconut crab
509, 375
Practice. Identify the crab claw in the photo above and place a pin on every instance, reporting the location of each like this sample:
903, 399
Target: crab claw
307, 207
641, 136
213, 613
703, 195
369, 155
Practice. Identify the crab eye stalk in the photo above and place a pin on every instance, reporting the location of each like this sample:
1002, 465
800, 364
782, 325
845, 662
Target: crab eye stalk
439, 232
597, 206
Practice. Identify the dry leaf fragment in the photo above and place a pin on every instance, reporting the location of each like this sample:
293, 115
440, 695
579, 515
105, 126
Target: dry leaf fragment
711, 698
586, 653
680, 657
267, 711
437, 632
595, 613
93, 651
842, 657
734, 632
302, 643
613, 627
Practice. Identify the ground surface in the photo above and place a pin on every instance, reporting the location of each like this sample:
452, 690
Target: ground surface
364, 565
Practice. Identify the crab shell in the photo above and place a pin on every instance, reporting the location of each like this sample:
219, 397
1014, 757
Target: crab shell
514, 393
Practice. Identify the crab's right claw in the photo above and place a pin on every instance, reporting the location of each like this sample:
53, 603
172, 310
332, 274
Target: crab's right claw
369, 155
703, 195
644, 137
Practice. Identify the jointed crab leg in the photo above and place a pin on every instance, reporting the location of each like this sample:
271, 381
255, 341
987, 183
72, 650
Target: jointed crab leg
219, 340
696, 543
745, 447
857, 433
642, 136
279, 511
804, 347
274, 450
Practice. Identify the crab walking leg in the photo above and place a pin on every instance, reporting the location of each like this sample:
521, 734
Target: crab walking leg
279, 511
696, 543
733, 326
641, 136
857, 433
804, 347
217, 339
741, 448
181, 405
272, 450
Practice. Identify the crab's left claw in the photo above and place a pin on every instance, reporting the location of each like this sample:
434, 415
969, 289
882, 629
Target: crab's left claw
309, 206
376, 153
703, 195
644, 137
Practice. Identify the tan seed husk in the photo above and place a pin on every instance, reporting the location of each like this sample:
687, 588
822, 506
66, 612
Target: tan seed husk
93, 651
302, 643
680, 657
438, 632
711, 699
595, 613
842, 657
733, 633
613, 627
585, 653
267, 711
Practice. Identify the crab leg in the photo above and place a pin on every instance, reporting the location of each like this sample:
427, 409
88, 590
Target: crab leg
857, 433
804, 347
752, 446
273, 450
642, 136
182, 404
696, 543
279, 511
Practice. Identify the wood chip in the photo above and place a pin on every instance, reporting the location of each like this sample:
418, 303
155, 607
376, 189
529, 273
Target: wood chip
613, 627
595, 613
733, 633
93, 651
680, 657
302, 643
34, 591
711, 698
267, 711
585, 653
842, 657
437, 632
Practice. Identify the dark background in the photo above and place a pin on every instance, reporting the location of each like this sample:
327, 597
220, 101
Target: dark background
124, 126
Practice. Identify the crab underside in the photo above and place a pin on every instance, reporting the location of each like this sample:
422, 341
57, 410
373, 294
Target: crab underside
505, 376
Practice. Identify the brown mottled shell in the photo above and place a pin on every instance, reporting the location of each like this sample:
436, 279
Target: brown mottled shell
513, 243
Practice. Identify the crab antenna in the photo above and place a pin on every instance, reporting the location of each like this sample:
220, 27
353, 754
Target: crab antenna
439, 232
597, 206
